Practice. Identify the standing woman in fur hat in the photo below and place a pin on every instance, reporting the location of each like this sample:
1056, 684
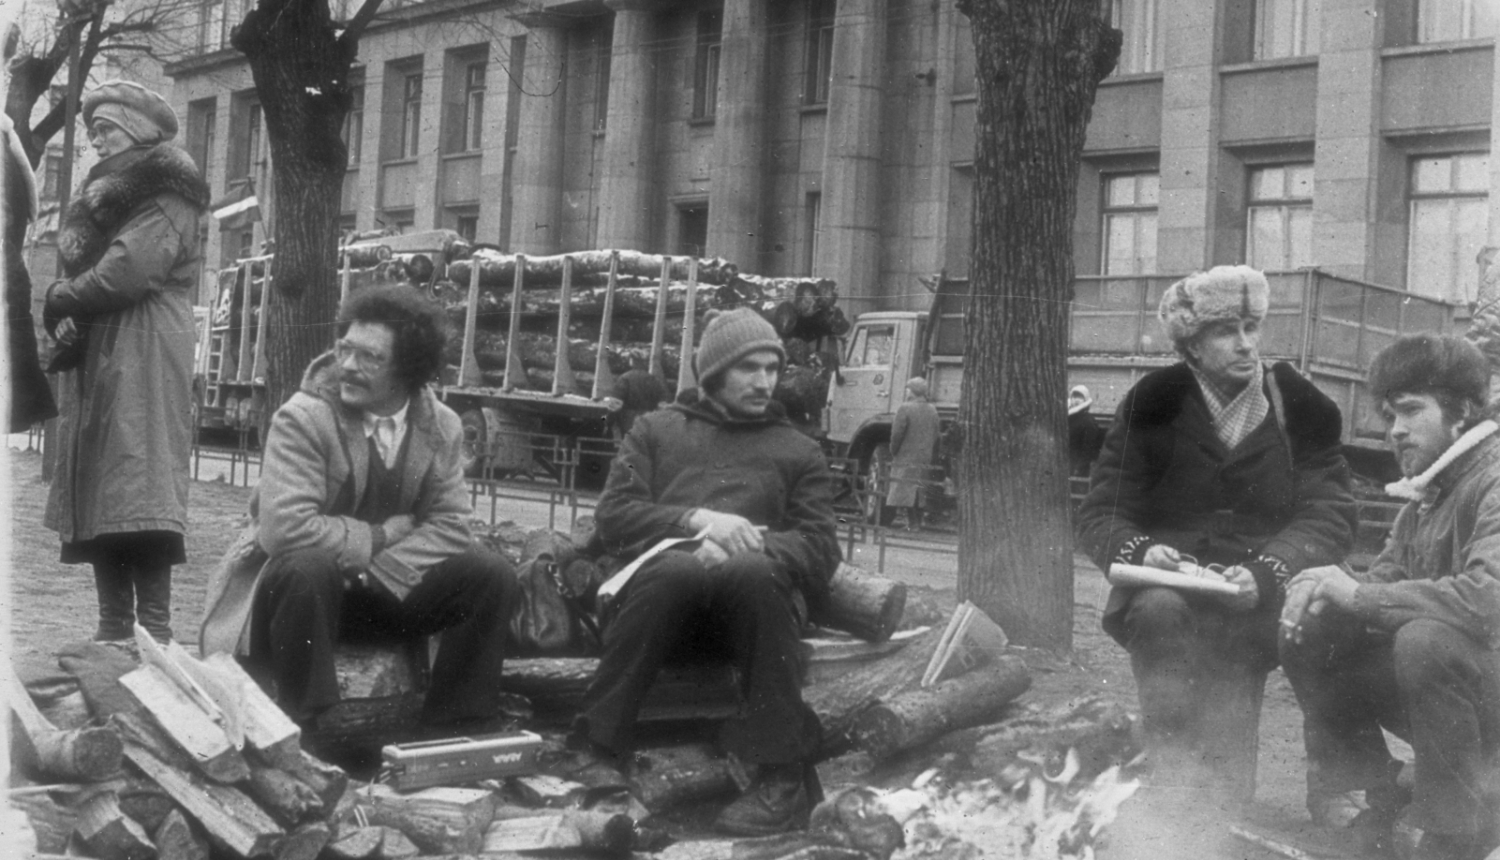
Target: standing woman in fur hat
123, 320
1222, 460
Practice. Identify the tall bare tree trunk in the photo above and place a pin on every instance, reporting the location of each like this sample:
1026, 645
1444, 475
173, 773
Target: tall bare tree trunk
1039, 64
301, 64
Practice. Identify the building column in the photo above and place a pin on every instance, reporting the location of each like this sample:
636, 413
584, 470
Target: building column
1187, 212
1489, 267
536, 222
849, 249
625, 190
1346, 172
736, 196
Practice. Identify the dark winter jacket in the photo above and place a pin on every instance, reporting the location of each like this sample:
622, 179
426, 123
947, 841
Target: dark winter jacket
31, 398
1165, 477
684, 457
129, 247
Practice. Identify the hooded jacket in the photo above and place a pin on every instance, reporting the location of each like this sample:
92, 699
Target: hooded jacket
695, 456
317, 463
129, 248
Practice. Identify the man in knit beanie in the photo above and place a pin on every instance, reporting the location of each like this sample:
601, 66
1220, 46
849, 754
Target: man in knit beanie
1409, 645
753, 496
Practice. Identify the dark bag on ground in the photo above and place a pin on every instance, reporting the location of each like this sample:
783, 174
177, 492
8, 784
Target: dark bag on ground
552, 614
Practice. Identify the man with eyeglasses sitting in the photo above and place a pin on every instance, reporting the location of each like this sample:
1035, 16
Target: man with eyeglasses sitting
359, 525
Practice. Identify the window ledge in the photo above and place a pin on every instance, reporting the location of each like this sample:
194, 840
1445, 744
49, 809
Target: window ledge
1273, 63
1119, 79
398, 162
817, 107
964, 98
1439, 47
701, 121
462, 154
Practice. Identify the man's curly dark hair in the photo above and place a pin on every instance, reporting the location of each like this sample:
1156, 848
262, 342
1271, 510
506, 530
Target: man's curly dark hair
418, 323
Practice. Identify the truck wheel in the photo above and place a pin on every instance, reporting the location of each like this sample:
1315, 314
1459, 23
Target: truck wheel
875, 469
476, 438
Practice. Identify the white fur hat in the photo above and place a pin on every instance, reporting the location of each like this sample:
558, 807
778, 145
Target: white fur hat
1221, 293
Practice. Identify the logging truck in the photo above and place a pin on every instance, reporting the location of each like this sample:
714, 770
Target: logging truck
534, 377
1328, 327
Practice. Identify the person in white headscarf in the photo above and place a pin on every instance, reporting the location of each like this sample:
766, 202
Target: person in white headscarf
914, 440
1085, 436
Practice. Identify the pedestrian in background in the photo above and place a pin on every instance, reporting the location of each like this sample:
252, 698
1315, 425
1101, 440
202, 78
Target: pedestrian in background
1085, 436
123, 318
914, 438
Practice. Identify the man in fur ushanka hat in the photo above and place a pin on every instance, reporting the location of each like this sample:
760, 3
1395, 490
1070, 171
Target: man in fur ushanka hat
1412, 645
1223, 461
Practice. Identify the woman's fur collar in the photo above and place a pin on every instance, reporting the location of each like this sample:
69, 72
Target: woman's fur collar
113, 190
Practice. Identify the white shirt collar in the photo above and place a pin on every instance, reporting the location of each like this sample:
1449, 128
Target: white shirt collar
398, 420
387, 431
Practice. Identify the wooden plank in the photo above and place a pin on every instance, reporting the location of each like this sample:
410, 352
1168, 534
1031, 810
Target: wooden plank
659, 324
468, 365
562, 367
247, 276
226, 813
153, 654
186, 723
686, 378
515, 373
603, 379
266, 727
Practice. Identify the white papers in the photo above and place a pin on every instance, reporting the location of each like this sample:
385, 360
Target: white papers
612, 586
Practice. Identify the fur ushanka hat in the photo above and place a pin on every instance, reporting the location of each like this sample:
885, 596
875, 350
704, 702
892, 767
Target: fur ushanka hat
1430, 363
1221, 293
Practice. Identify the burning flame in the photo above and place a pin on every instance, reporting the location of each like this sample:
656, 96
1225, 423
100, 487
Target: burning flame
1024, 814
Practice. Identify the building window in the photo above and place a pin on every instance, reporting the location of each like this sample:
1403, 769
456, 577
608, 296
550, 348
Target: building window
354, 126
466, 226
1449, 222
250, 158
1286, 28
1137, 20
692, 229
473, 125
52, 175
201, 133
411, 115
820, 15
1130, 224
814, 228
706, 70
212, 27
1452, 20
1278, 220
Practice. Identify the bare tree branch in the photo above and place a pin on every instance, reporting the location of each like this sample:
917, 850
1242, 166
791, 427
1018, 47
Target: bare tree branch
356, 26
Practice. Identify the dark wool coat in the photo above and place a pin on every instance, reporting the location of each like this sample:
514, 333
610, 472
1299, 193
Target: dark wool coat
129, 244
1164, 473
684, 457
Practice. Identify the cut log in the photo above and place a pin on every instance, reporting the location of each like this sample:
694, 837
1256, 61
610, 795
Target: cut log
917, 716
498, 268
395, 845
267, 728
326, 781
177, 840
305, 843
143, 800
87, 755
687, 782
110, 833
289, 800
187, 724
840, 701
227, 814
556, 685
380, 689
547, 790
358, 844
864, 604
438, 820
573, 828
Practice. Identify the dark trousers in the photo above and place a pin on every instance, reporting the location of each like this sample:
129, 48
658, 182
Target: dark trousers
1430, 685
133, 592
1200, 672
303, 607
675, 610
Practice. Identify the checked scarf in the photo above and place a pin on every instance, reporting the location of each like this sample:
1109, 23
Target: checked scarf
1235, 416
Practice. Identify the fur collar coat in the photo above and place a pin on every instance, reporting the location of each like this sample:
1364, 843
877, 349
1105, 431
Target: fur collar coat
129, 243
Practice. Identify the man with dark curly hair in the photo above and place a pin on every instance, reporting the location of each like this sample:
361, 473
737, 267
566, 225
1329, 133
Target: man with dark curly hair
360, 525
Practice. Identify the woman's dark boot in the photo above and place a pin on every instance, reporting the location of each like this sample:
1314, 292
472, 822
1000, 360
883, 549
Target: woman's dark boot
116, 603
153, 600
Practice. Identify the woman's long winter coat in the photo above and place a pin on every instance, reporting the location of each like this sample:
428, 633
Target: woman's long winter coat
129, 244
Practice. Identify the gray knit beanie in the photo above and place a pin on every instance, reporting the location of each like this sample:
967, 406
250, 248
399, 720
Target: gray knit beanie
731, 336
1219, 294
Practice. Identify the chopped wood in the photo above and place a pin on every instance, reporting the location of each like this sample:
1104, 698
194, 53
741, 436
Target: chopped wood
289, 800
51, 821
917, 716
571, 828
227, 814
221, 691
304, 843
840, 701
267, 728
556, 685
862, 603
143, 800
110, 833
364, 725
395, 845
675, 784
176, 839
187, 724
153, 654
376, 671
546, 790
358, 844
439, 820
326, 781
88, 754
98, 669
